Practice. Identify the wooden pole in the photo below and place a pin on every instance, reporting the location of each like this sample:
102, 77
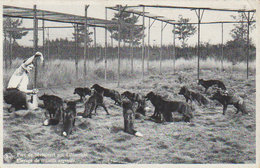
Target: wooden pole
10, 50
112, 47
174, 49
222, 47
48, 34
95, 44
88, 58
248, 45
43, 38
143, 51
76, 50
148, 48
111, 40
5, 51
118, 51
132, 50
35, 41
106, 49
198, 48
85, 41
161, 47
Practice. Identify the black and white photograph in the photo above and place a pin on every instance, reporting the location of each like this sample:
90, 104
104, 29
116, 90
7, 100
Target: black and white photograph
138, 83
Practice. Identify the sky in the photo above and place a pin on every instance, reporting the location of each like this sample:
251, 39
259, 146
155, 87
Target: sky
209, 33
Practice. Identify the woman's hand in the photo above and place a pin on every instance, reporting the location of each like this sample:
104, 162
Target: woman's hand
39, 55
34, 91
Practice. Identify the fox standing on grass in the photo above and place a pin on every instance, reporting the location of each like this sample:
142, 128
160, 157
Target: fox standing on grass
192, 96
209, 83
128, 114
17, 93
228, 98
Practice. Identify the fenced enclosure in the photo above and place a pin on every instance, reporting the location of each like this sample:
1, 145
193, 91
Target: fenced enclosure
94, 55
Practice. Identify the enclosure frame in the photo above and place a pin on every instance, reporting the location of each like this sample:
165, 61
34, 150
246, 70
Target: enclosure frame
45, 15
199, 16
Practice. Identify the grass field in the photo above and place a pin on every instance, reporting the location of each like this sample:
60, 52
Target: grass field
62, 72
210, 137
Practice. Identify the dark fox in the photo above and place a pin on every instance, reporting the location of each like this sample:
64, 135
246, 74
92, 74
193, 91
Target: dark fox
92, 103
128, 114
155, 100
113, 94
133, 97
190, 95
54, 105
228, 99
82, 92
69, 118
208, 83
166, 108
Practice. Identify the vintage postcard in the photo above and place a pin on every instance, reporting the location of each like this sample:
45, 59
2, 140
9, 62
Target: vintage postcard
129, 83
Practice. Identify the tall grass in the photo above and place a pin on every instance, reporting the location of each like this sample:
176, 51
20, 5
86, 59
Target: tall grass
62, 72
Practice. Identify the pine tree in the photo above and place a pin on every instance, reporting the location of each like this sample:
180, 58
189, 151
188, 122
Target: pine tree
239, 32
81, 35
184, 30
13, 30
128, 28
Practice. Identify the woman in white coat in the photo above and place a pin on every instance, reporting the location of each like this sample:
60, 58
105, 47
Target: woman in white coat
16, 91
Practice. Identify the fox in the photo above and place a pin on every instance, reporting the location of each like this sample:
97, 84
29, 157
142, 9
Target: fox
190, 95
95, 100
128, 114
228, 99
208, 83
69, 118
54, 105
